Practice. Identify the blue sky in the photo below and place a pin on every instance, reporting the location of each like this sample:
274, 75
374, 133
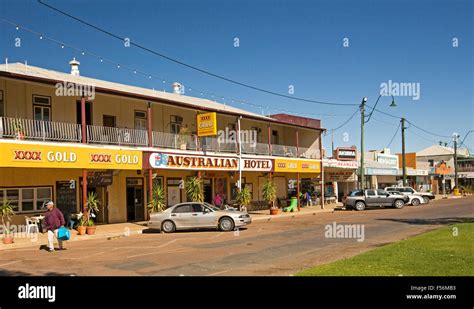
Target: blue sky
282, 43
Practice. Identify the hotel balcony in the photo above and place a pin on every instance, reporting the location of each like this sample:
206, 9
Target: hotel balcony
36, 130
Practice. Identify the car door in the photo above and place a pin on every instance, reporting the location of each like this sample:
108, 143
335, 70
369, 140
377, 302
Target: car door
200, 218
383, 198
181, 215
371, 198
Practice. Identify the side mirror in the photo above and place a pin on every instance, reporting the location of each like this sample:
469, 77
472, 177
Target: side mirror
206, 210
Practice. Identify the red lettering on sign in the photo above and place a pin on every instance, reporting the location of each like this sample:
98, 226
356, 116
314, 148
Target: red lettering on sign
101, 158
27, 155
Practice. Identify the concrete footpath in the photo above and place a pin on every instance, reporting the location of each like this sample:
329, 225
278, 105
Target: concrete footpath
117, 230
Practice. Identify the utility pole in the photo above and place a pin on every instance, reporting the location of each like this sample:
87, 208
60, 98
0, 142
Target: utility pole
404, 165
362, 123
455, 139
332, 142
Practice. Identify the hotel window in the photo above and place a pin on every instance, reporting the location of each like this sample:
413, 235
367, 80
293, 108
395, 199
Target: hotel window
2, 106
175, 124
26, 199
42, 108
108, 121
140, 120
275, 140
258, 132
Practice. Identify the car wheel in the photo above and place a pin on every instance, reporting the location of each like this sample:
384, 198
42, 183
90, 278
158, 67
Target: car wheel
415, 202
399, 204
427, 199
359, 206
168, 226
226, 224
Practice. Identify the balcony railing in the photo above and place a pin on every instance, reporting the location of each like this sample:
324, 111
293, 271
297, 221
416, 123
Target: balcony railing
29, 129
174, 141
116, 136
255, 148
39, 130
215, 145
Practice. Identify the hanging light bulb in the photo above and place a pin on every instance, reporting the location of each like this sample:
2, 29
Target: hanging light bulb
118, 66
135, 71
101, 60
149, 76
41, 36
83, 53
17, 27
62, 45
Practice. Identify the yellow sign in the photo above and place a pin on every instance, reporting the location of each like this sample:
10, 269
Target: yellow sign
55, 156
297, 166
207, 124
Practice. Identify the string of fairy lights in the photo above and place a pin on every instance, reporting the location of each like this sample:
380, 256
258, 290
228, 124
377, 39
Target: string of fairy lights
151, 76
204, 94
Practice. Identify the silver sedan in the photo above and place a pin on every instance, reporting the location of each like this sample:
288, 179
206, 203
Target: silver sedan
194, 215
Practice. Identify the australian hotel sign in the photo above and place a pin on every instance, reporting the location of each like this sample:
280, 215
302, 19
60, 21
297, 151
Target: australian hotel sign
160, 160
53, 156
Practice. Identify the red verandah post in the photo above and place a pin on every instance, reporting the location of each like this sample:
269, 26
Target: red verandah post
84, 171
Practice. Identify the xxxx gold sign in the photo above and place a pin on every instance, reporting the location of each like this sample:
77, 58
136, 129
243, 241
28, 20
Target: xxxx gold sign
207, 124
297, 166
52, 156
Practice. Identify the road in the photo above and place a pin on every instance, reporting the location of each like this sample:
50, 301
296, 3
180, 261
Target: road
276, 247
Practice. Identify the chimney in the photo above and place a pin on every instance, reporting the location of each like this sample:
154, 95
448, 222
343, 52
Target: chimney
74, 67
177, 88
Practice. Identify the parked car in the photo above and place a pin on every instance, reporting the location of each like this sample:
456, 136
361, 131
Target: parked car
195, 215
415, 200
361, 199
427, 196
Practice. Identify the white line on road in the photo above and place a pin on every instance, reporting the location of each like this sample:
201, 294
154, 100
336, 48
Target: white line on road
157, 247
220, 272
9, 263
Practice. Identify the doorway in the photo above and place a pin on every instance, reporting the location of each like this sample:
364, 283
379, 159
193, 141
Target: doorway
102, 216
207, 186
135, 198
88, 113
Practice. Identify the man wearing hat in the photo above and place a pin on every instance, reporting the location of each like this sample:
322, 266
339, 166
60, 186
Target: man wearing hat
53, 220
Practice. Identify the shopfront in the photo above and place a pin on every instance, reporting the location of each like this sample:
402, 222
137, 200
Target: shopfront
33, 173
340, 172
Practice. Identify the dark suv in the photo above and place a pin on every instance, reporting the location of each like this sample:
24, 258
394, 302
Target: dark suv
360, 199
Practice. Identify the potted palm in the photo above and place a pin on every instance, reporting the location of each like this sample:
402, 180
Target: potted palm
7, 213
244, 197
194, 189
183, 135
81, 227
18, 129
92, 208
269, 194
157, 203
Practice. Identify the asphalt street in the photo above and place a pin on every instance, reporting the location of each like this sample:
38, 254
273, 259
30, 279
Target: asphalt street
275, 247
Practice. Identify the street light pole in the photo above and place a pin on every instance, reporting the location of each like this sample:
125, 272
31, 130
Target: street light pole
404, 165
362, 123
455, 140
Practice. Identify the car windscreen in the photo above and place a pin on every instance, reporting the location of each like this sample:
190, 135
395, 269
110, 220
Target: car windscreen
356, 193
212, 207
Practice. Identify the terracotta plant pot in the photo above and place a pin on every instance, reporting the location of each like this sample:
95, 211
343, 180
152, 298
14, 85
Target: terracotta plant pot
7, 240
273, 211
90, 230
81, 230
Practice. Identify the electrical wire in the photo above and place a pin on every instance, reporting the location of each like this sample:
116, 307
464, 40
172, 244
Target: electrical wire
395, 134
156, 53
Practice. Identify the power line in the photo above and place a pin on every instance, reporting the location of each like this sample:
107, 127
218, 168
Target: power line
156, 53
427, 139
347, 121
150, 76
393, 137
390, 124
434, 134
